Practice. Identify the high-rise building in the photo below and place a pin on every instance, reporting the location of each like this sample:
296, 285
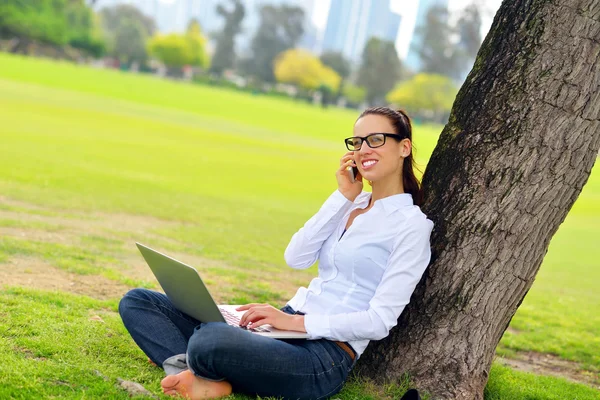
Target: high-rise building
412, 59
382, 23
351, 23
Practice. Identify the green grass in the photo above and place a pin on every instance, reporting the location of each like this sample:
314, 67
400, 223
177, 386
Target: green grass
51, 348
505, 383
218, 176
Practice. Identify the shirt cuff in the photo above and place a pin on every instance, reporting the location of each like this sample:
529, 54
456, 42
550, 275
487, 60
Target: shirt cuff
317, 326
337, 201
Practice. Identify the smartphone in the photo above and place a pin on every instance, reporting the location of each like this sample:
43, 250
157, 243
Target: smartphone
353, 173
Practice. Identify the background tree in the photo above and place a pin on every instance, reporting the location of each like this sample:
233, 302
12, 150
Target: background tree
127, 31
425, 96
224, 56
197, 43
280, 29
434, 45
112, 17
83, 30
521, 142
468, 28
303, 69
56, 23
176, 50
172, 50
380, 69
41, 21
128, 43
355, 95
339, 64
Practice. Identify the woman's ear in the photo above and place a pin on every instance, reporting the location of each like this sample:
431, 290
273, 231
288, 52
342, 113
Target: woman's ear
406, 148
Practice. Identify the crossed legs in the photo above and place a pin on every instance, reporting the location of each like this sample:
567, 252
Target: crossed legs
209, 360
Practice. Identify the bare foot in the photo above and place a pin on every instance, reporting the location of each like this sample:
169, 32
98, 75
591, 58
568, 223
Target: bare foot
189, 386
151, 362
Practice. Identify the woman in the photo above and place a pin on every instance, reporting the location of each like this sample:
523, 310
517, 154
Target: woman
372, 249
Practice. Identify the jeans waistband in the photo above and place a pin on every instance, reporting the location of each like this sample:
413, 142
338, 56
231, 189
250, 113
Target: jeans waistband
347, 348
343, 345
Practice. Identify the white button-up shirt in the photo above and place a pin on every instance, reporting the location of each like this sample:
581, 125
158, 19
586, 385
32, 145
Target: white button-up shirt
365, 278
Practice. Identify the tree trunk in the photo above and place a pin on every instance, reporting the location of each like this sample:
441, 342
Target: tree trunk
521, 141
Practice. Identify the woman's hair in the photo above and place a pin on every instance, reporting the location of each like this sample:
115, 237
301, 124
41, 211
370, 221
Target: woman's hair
402, 126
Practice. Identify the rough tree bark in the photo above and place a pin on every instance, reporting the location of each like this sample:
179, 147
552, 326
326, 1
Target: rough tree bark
521, 141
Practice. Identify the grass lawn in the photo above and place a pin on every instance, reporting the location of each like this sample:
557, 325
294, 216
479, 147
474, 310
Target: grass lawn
93, 160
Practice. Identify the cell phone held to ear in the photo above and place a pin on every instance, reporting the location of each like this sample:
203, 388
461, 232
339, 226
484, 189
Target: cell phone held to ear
353, 174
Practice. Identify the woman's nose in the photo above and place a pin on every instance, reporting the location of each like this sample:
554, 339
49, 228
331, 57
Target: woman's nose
364, 149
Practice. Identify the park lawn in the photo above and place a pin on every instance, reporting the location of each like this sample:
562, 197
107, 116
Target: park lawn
94, 160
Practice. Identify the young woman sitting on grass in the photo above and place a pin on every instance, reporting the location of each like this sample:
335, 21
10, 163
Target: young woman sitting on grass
372, 249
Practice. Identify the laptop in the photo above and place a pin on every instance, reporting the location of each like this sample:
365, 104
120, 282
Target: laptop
184, 288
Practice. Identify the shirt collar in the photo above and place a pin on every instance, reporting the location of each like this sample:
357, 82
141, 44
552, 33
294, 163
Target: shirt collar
389, 204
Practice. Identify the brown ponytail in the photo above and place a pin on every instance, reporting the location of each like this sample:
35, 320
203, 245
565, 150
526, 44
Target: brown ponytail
403, 126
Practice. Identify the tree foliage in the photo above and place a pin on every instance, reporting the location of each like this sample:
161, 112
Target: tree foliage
57, 22
435, 48
224, 56
447, 49
82, 27
197, 45
380, 69
172, 49
425, 95
337, 62
129, 42
127, 31
112, 17
302, 68
354, 94
176, 50
280, 29
39, 20
468, 28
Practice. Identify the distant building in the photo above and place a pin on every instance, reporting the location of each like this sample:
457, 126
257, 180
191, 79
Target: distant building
351, 23
413, 60
310, 39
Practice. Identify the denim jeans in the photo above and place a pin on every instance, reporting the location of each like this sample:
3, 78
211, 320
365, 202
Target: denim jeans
252, 364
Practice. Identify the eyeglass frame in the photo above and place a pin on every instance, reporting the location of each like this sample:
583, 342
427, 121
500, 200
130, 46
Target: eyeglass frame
364, 139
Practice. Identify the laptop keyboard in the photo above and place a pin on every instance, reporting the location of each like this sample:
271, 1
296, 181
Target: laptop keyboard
234, 320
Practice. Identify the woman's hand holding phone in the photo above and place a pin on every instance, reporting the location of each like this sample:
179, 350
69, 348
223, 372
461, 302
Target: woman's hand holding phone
347, 186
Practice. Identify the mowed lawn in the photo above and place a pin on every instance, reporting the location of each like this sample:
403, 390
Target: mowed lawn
92, 161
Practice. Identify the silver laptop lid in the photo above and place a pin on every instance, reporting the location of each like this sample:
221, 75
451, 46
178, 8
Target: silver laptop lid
182, 285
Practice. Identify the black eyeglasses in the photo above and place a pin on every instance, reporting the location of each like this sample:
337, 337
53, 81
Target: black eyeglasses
373, 140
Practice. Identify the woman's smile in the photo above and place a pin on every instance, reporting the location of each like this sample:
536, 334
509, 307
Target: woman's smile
368, 164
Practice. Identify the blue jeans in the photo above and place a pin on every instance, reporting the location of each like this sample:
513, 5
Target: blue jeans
252, 364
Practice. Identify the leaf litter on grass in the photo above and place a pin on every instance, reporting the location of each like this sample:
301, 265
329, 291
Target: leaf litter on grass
92, 244
549, 364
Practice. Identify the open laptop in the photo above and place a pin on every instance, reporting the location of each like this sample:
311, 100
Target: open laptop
184, 288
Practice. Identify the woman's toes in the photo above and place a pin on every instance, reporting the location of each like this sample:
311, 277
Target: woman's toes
169, 382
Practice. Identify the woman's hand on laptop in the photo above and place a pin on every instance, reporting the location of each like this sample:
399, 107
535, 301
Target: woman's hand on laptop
265, 314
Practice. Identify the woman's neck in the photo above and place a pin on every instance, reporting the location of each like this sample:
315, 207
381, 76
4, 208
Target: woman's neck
382, 189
